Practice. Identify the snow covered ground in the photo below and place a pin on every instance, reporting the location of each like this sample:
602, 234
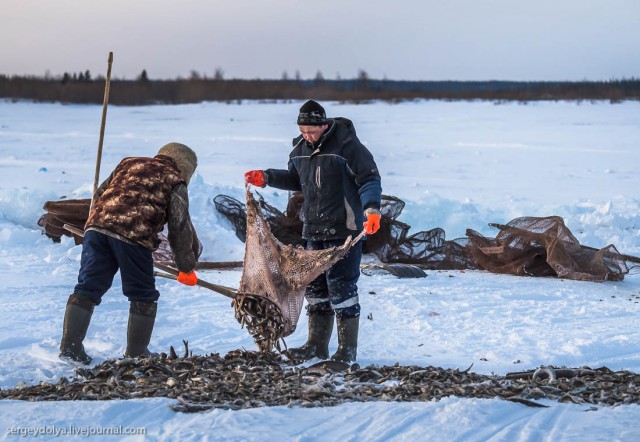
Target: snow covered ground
457, 165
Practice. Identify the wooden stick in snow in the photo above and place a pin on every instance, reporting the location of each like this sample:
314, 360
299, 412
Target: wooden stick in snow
102, 125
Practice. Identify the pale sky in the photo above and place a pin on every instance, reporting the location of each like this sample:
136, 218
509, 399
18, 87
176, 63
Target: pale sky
521, 40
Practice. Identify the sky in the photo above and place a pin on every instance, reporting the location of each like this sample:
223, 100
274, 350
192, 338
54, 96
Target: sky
562, 40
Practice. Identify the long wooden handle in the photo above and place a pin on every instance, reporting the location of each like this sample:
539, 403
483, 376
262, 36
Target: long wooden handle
102, 125
358, 238
226, 291
165, 275
210, 265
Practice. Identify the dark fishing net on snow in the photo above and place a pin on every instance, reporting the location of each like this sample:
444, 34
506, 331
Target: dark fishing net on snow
525, 246
428, 248
391, 244
285, 226
544, 247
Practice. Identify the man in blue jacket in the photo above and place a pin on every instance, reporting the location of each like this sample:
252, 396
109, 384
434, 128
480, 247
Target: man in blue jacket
342, 190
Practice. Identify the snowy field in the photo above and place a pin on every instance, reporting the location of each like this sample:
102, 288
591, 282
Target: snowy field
457, 165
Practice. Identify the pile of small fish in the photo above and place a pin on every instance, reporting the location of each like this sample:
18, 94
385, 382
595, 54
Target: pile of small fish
263, 320
243, 379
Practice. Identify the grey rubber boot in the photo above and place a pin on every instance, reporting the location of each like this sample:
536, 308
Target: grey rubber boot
74, 329
347, 340
317, 345
142, 317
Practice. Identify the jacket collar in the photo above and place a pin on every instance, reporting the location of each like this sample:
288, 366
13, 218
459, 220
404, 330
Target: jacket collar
317, 146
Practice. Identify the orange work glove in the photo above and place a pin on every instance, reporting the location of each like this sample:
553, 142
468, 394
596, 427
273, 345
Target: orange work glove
188, 278
256, 178
372, 224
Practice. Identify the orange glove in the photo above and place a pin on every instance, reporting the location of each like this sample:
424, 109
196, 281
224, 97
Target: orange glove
372, 224
255, 177
188, 278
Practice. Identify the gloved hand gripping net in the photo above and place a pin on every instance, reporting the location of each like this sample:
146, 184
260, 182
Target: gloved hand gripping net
274, 278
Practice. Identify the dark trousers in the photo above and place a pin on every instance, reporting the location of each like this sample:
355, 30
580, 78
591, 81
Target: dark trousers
102, 256
336, 289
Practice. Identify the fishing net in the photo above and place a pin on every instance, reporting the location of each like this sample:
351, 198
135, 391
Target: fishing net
429, 249
391, 244
544, 247
274, 278
285, 226
525, 246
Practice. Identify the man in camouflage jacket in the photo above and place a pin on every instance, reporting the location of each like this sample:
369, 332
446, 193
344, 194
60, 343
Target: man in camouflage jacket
131, 208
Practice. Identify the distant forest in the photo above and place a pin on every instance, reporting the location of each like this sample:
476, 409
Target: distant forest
83, 88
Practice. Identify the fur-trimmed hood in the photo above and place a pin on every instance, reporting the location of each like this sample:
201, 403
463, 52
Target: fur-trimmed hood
185, 158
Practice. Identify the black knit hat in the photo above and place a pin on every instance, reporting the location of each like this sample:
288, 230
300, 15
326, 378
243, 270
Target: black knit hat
311, 114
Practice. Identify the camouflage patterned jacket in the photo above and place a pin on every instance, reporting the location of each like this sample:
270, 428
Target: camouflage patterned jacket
136, 201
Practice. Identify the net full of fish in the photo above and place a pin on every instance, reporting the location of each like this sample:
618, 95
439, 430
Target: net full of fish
263, 320
274, 278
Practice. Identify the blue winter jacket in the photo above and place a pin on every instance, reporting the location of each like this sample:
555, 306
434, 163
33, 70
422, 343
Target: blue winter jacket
338, 178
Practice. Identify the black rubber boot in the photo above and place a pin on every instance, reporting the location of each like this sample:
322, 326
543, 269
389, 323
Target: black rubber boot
142, 317
74, 329
317, 345
347, 340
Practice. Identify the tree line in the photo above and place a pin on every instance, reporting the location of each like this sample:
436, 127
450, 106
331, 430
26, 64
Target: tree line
83, 88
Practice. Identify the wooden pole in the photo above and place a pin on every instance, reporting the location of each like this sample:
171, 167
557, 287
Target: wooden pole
226, 291
102, 125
